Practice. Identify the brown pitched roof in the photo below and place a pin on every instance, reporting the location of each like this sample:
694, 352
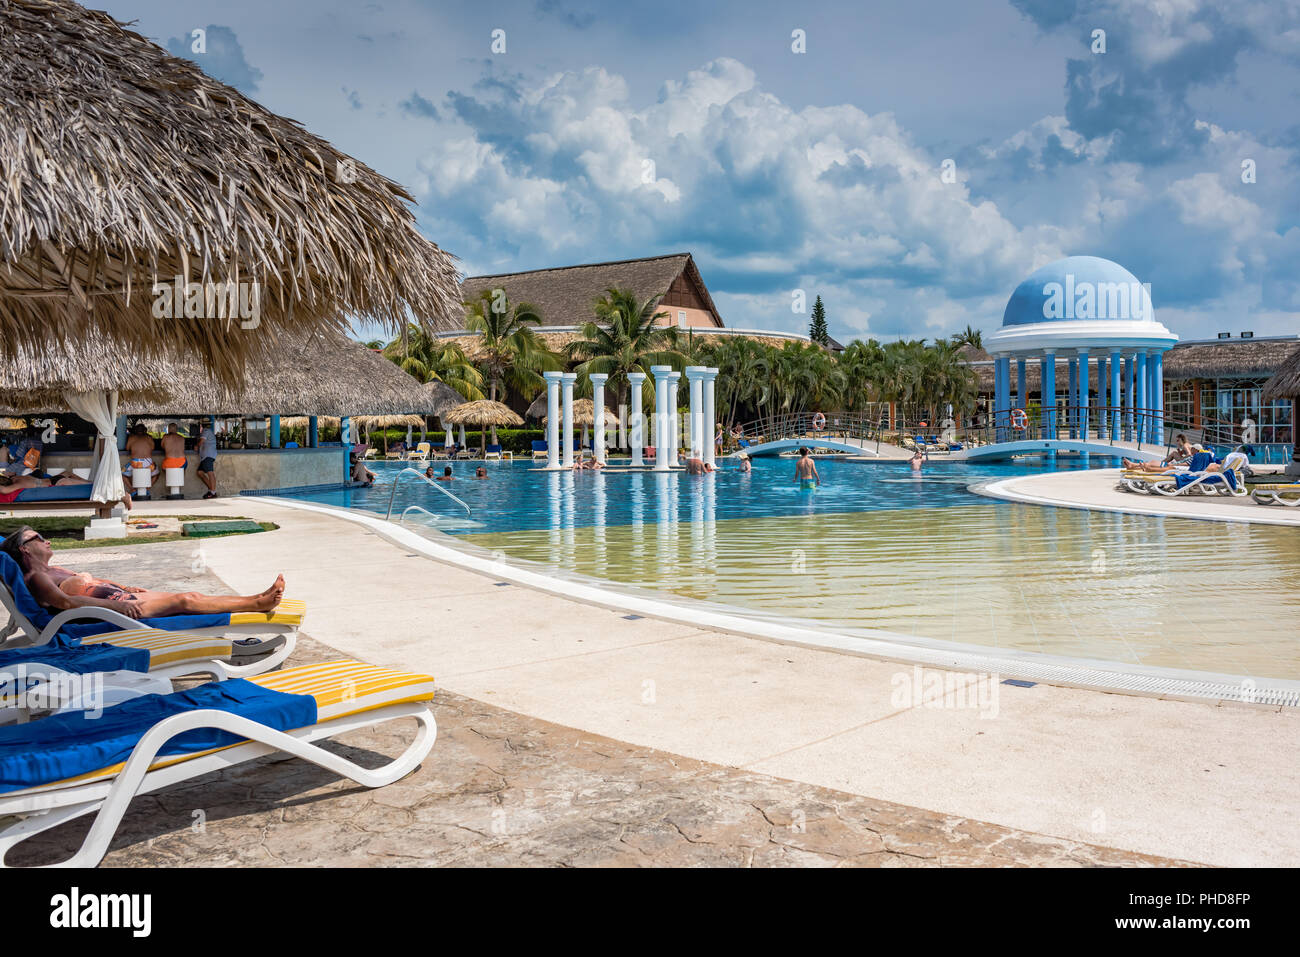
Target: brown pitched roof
1285, 383
565, 294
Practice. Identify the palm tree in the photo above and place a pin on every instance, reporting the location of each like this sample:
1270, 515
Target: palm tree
970, 336
429, 358
744, 374
511, 355
625, 338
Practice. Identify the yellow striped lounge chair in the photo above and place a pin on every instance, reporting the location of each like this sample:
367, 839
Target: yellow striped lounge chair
1276, 493
70, 765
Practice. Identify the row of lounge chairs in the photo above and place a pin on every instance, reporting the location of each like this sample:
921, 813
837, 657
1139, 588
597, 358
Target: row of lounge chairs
1196, 478
72, 761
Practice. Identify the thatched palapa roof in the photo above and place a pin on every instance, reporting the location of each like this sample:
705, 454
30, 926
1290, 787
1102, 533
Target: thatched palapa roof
125, 166
564, 295
442, 397
1228, 358
1285, 383
34, 380
584, 413
321, 374
482, 412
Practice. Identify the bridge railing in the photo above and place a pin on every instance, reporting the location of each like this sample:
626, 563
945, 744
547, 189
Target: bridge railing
1139, 428
855, 428
1099, 424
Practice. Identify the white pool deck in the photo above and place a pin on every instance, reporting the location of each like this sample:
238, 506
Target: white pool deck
1211, 782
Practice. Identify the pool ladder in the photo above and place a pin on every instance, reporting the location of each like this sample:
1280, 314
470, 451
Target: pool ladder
432, 484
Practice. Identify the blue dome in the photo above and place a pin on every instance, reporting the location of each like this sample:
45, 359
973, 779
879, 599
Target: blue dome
1078, 288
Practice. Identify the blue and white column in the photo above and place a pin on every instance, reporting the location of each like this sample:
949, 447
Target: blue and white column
598, 380
552, 418
1001, 396
1140, 397
1072, 399
1157, 390
567, 380
1115, 397
1103, 420
1022, 398
1083, 394
661, 416
1130, 393
1048, 390
636, 419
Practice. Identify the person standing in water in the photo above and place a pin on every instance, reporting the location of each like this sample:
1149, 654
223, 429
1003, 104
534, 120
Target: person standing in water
918, 459
805, 471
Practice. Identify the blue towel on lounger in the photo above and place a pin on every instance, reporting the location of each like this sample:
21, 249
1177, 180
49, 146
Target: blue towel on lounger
1184, 479
66, 745
76, 658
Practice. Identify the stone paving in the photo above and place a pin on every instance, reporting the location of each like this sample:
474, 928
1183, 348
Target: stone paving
504, 789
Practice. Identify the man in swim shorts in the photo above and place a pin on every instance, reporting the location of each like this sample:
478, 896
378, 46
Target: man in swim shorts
51, 588
805, 471
207, 470
139, 445
173, 446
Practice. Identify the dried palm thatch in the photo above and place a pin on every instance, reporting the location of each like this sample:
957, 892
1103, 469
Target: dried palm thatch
482, 412
34, 379
372, 422
125, 167
320, 374
8, 424
584, 414
1285, 383
302, 422
442, 397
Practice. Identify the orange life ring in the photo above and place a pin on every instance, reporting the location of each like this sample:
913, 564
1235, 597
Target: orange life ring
819, 421
1018, 419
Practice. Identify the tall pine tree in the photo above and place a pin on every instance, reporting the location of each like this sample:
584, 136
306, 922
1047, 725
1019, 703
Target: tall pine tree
817, 328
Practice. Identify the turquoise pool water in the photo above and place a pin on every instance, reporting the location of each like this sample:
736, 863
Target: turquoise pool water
517, 496
879, 548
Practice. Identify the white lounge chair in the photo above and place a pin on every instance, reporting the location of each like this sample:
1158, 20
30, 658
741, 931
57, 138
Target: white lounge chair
109, 763
1230, 481
1276, 493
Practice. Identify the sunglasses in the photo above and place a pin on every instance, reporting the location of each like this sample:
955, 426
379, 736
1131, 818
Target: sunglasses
38, 537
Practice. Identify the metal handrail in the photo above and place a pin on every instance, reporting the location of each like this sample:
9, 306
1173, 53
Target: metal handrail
420, 475
401, 519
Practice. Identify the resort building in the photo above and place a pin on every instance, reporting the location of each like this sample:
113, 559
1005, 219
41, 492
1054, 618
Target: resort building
564, 296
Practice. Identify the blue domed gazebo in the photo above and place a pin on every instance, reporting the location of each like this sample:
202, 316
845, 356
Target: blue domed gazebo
1092, 313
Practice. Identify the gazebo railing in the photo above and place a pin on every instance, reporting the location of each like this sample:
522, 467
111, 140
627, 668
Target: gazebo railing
397, 480
851, 427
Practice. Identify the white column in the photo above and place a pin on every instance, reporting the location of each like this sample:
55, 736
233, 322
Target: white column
598, 409
695, 376
710, 424
674, 421
552, 418
566, 395
661, 416
636, 419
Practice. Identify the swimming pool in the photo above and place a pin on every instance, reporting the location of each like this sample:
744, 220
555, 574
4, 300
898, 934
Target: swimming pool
920, 556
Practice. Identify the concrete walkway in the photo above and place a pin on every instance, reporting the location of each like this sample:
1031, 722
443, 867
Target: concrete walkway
1213, 784
1096, 489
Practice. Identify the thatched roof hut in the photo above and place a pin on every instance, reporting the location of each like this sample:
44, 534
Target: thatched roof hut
1285, 383
126, 166
584, 414
482, 412
321, 374
1230, 358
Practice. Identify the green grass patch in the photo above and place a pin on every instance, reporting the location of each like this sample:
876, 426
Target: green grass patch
66, 532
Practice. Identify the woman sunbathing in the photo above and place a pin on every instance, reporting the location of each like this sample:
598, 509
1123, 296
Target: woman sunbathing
12, 485
57, 589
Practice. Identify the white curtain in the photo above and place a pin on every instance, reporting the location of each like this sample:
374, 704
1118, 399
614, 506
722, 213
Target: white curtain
100, 410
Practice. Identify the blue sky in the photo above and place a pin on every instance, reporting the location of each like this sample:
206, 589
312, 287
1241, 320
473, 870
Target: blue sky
605, 132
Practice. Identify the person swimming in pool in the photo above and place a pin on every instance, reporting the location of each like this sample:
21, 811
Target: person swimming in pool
805, 471
58, 589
